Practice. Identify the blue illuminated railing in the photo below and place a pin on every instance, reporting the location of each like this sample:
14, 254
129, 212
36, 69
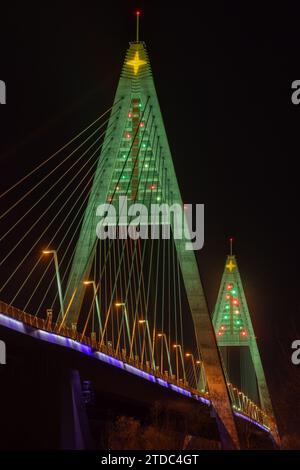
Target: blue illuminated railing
45, 330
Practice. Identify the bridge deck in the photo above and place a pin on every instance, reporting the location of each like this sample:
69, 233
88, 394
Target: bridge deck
23, 322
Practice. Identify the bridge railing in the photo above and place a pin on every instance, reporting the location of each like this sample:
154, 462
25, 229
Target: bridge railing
240, 402
22, 316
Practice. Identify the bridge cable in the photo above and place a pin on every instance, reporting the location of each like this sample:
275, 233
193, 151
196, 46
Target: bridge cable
58, 151
28, 253
57, 231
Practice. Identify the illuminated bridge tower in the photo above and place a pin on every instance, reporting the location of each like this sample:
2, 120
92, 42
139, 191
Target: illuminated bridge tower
137, 163
237, 341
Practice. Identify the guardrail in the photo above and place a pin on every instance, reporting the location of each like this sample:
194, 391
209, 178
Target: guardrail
241, 404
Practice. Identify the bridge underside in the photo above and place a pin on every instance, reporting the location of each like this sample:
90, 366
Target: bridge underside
42, 408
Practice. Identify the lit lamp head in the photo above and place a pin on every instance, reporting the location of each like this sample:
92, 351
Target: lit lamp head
87, 283
188, 354
142, 321
119, 304
48, 252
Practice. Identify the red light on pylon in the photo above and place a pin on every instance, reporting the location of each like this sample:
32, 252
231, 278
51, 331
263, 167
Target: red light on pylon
142, 124
138, 13
229, 286
227, 297
235, 301
243, 333
152, 186
130, 115
219, 333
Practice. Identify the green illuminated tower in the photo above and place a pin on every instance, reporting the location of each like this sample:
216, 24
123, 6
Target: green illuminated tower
138, 163
234, 332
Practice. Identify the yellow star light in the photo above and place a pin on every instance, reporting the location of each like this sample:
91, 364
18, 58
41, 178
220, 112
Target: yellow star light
230, 265
136, 63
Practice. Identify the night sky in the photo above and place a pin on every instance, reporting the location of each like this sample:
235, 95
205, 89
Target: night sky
223, 76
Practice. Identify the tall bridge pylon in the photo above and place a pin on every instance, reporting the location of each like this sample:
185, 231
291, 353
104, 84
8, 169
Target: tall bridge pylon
136, 161
235, 334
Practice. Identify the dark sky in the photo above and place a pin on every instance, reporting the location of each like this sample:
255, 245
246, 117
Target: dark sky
223, 76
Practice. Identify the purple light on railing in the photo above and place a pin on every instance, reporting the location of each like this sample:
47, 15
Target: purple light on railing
247, 418
140, 373
163, 383
204, 400
62, 341
109, 359
70, 343
180, 390
12, 323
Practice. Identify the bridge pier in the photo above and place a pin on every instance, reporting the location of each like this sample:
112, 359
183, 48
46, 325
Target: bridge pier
75, 432
225, 438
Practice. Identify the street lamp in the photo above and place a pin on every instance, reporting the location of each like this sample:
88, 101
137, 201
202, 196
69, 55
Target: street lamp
48, 252
164, 338
178, 347
132, 338
87, 283
193, 365
122, 304
67, 309
202, 375
145, 322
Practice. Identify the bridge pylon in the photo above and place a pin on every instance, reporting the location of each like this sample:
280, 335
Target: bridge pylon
237, 341
135, 145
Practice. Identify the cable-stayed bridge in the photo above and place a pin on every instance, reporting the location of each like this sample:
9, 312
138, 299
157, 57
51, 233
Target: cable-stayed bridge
135, 304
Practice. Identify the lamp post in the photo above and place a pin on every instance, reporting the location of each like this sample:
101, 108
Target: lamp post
178, 347
242, 401
67, 310
132, 338
48, 252
193, 365
96, 288
164, 338
202, 375
122, 304
145, 322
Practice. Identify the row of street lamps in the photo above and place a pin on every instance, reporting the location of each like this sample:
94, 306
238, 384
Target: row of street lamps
131, 337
